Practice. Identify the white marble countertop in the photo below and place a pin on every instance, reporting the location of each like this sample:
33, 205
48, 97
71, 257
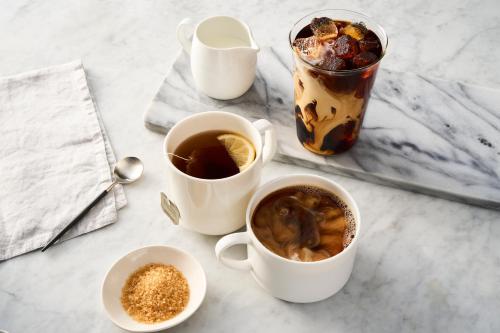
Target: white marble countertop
424, 264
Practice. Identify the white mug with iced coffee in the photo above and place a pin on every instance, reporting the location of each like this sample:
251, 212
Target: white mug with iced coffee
223, 55
214, 165
301, 238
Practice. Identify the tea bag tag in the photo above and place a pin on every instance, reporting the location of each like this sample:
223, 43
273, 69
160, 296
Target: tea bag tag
170, 209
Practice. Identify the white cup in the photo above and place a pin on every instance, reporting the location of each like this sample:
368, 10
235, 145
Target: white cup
223, 55
293, 281
215, 206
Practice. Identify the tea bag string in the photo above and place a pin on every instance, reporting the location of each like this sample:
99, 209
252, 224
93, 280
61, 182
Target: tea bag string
182, 158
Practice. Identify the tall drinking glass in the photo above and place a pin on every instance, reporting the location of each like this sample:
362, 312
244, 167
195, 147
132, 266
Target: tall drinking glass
330, 104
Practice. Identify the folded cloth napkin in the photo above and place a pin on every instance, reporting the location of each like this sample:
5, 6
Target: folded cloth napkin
55, 158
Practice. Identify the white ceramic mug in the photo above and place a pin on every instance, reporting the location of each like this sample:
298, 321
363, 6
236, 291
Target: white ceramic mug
223, 55
215, 206
290, 280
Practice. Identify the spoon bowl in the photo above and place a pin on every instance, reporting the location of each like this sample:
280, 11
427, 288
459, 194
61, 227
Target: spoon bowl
128, 170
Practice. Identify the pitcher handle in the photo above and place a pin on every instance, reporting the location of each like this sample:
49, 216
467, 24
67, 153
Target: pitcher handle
228, 241
270, 141
182, 34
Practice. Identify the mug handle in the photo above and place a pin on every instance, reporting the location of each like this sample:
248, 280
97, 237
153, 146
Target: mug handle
228, 241
270, 141
182, 35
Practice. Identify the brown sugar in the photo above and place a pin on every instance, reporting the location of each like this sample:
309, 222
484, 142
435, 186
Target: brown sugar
155, 293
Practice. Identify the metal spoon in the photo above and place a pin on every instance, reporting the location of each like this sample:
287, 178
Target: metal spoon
126, 171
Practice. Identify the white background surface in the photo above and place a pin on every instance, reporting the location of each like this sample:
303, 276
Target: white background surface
424, 264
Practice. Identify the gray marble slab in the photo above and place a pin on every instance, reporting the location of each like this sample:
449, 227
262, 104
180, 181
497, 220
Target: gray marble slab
422, 134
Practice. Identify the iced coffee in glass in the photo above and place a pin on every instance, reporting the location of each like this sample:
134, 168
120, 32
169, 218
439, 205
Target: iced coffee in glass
337, 54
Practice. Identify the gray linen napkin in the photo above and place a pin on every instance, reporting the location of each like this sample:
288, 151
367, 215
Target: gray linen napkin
55, 157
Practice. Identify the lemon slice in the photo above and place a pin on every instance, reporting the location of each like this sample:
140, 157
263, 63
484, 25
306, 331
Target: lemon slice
240, 149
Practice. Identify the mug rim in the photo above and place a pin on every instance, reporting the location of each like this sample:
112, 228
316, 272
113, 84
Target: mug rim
258, 152
219, 17
262, 194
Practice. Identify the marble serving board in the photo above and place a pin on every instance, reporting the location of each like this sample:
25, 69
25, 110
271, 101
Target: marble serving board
422, 134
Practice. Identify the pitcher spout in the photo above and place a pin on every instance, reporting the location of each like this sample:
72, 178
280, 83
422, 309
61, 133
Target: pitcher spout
253, 44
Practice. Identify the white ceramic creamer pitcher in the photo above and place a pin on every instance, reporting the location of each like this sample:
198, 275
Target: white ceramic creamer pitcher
223, 55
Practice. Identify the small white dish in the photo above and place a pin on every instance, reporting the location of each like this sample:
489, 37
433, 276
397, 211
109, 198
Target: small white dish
117, 276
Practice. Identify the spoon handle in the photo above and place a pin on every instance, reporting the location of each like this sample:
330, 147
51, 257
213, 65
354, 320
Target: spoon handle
79, 217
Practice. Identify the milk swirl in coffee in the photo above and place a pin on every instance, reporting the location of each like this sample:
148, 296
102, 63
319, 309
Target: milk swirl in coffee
303, 223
